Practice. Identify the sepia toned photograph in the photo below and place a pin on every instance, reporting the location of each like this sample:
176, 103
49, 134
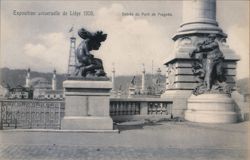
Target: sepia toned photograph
124, 80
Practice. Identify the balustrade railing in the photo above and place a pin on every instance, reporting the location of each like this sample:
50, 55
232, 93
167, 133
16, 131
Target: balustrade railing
48, 114
124, 108
140, 106
31, 114
160, 108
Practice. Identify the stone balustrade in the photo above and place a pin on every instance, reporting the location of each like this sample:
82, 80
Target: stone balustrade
128, 109
48, 114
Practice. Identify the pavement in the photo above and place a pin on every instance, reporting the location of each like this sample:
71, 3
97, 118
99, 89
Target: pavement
136, 141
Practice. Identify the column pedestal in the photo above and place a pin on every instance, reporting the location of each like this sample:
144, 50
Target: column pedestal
87, 105
211, 108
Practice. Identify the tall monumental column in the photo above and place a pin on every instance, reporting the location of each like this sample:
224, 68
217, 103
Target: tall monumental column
199, 21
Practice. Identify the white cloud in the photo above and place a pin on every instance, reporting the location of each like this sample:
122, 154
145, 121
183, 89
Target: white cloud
51, 52
238, 40
131, 41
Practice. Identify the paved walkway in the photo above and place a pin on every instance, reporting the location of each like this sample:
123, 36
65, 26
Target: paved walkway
159, 141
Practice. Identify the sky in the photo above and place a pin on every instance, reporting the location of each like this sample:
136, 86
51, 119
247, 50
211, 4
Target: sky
42, 42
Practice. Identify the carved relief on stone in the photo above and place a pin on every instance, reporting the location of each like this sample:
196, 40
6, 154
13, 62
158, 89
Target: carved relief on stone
198, 40
170, 76
185, 41
223, 43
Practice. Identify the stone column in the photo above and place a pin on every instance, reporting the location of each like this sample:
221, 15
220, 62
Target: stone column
199, 20
143, 81
113, 92
199, 16
54, 81
27, 84
113, 79
199, 11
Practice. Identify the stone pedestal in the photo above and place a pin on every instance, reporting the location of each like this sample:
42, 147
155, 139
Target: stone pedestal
131, 92
179, 99
87, 105
211, 108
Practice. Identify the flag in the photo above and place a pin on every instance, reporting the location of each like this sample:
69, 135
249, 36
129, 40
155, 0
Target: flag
157, 81
71, 29
133, 81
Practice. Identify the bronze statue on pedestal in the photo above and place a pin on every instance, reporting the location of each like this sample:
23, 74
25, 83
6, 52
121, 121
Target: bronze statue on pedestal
209, 67
89, 66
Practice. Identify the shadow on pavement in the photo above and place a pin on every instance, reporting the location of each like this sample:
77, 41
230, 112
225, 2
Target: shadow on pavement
135, 125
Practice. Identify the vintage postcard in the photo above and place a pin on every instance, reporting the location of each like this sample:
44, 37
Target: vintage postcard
130, 79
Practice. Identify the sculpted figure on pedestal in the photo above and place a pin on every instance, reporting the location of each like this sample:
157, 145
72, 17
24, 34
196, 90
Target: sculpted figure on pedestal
89, 66
209, 67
